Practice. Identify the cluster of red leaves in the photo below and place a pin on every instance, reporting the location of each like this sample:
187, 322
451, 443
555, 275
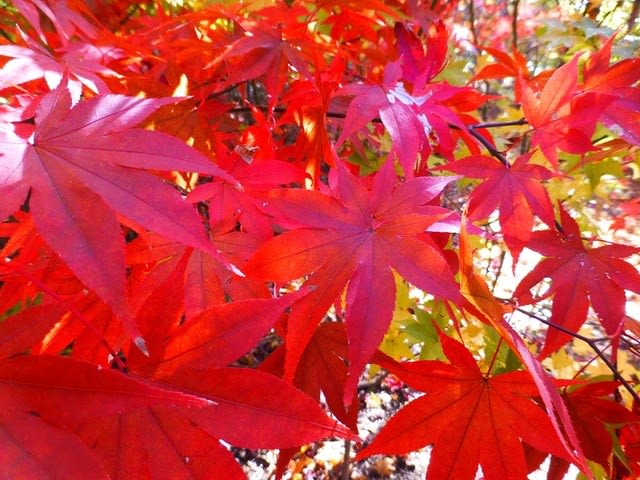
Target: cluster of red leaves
135, 266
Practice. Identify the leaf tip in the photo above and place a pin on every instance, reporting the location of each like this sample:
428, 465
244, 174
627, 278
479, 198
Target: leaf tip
236, 270
141, 345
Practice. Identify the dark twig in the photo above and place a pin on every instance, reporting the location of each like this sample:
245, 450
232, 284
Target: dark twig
345, 474
514, 25
471, 129
490, 148
472, 21
510, 123
593, 347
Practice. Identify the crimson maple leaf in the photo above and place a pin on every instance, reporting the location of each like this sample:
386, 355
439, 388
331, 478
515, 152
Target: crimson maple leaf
515, 190
249, 408
420, 66
471, 418
616, 82
591, 407
322, 370
268, 49
579, 275
560, 121
85, 163
243, 206
354, 237
39, 389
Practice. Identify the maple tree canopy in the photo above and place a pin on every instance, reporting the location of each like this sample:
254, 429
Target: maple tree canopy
217, 218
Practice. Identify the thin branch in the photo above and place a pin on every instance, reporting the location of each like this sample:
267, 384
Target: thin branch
514, 25
490, 148
224, 91
503, 255
472, 129
633, 16
472, 21
346, 460
510, 123
593, 347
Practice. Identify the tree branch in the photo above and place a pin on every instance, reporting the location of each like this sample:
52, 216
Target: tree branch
592, 345
514, 25
472, 129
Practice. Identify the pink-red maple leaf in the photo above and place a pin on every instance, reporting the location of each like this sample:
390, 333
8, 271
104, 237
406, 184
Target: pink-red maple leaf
559, 121
579, 275
616, 82
355, 236
515, 190
83, 164
84, 64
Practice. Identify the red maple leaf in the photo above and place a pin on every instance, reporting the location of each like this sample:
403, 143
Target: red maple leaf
267, 49
256, 177
591, 407
249, 408
410, 118
85, 163
560, 121
579, 274
419, 66
39, 389
355, 237
616, 82
322, 370
515, 190
69, 17
471, 418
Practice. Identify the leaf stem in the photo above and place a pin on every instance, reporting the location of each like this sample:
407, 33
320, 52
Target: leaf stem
494, 357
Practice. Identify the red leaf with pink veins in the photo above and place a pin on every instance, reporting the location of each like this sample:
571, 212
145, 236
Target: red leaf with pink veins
84, 164
579, 275
354, 238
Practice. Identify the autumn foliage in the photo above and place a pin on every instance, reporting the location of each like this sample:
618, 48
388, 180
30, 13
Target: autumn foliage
216, 219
